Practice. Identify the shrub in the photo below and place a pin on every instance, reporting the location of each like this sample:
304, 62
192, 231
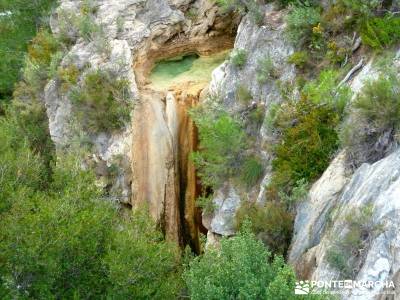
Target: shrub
102, 103
298, 193
256, 12
324, 90
238, 57
158, 276
241, 269
266, 70
69, 76
379, 33
40, 56
243, 94
17, 30
271, 223
87, 28
300, 22
222, 142
345, 253
241, 6
308, 141
22, 171
66, 242
256, 116
369, 132
299, 59
252, 171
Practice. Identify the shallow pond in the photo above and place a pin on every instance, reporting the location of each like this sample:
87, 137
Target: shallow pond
190, 68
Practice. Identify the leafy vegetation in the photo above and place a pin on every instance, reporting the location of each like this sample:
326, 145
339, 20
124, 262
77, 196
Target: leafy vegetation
347, 251
300, 23
252, 170
266, 70
380, 33
271, 223
102, 102
370, 130
239, 57
308, 140
241, 269
243, 94
222, 142
61, 239
299, 59
253, 7
18, 25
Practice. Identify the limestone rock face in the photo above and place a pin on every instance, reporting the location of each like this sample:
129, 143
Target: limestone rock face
130, 35
322, 219
259, 43
310, 226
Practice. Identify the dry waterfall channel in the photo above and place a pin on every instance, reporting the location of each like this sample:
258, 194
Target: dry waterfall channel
164, 136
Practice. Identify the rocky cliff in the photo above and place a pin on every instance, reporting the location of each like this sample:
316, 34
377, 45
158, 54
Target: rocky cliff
147, 160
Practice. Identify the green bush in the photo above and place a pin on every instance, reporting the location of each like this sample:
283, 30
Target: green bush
266, 70
324, 90
271, 223
308, 140
141, 265
253, 7
299, 59
252, 171
67, 242
68, 76
379, 33
222, 143
241, 269
23, 172
238, 57
102, 102
17, 30
345, 253
243, 94
87, 28
370, 130
300, 22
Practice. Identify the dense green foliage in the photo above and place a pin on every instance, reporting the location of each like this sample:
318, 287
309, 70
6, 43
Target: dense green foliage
222, 143
271, 223
102, 102
380, 33
307, 130
18, 24
266, 70
241, 269
308, 141
299, 59
239, 57
61, 239
300, 23
372, 127
252, 170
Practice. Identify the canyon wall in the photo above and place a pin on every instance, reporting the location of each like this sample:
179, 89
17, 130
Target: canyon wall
147, 160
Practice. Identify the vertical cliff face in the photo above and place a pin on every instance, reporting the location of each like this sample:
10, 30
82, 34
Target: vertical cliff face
164, 136
146, 161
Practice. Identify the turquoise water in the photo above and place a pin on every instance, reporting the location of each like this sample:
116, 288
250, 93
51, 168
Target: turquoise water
189, 68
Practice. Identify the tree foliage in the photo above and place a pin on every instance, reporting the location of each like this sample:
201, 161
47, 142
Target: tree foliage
19, 21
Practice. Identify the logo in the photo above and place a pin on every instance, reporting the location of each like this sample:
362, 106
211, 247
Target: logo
307, 287
302, 287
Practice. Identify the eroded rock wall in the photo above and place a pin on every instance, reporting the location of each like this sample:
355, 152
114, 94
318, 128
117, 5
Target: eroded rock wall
322, 219
259, 42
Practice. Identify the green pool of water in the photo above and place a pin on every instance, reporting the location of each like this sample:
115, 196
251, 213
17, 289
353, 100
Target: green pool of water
189, 68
